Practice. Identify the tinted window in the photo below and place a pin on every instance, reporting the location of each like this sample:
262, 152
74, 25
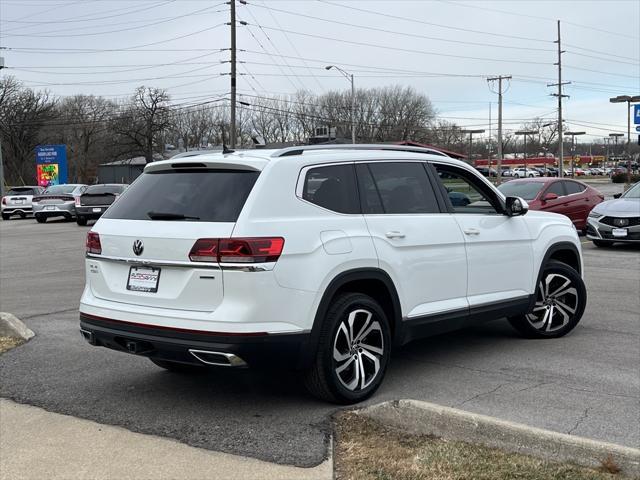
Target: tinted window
103, 189
369, 195
557, 188
201, 195
60, 189
332, 187
573, 187
466, 193
526, 190
21, 191
403, 188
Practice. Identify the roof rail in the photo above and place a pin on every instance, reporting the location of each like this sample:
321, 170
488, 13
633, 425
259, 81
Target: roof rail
290, 151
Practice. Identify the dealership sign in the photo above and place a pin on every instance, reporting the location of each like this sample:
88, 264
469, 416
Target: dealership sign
51, 165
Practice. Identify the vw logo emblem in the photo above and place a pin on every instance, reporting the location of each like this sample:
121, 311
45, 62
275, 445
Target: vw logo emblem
622, 222
138, 247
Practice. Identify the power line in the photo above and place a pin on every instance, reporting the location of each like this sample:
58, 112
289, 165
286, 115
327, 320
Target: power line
406, 34
151, 24
422, 22
407, 50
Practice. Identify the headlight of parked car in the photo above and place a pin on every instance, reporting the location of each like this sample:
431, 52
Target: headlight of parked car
593, 214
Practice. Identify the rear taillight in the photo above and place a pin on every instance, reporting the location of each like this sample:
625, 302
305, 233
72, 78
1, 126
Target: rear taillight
93, 243
237, 250
4, 200
77, 201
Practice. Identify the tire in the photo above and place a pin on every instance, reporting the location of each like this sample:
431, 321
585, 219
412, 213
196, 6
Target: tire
517, 175
41, 219
531, 175
554, 315
336, 379
82, 221
602, 243
6, 216
176, 367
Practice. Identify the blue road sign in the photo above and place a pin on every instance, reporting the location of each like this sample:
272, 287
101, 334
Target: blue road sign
51, 164
636, 114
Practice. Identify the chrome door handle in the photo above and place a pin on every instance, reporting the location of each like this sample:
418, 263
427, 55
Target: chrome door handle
472, 231
394, 234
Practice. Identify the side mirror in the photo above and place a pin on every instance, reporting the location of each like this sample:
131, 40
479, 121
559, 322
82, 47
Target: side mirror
516, 206
617, 195
549, 196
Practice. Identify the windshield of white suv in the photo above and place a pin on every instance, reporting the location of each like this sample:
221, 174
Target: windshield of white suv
193, 195
526, 190
633, 192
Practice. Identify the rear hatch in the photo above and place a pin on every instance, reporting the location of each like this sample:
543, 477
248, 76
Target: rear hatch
146, 237
18, 197
100, 195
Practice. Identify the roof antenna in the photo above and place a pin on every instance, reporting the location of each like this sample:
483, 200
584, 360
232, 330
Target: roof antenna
226, 150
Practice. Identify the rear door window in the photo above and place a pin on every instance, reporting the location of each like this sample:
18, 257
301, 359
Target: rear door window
193, 195
557, 188
332, 187
573, 187
398, 187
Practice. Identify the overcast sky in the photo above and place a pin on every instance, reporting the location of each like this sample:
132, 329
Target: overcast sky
445, 49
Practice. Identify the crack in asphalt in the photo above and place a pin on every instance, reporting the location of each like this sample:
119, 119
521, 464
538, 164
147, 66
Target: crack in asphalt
582, 418
482, 394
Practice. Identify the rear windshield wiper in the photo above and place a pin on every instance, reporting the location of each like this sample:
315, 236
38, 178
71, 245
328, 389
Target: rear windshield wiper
169, 216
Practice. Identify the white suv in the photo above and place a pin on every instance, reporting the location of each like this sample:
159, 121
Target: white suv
525, 172
320, 260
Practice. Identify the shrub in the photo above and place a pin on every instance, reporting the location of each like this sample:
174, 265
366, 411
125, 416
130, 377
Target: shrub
622, 178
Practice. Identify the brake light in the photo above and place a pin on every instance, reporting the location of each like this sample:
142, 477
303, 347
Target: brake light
4, 200
93, 243
204, 250
237, 250
77, 201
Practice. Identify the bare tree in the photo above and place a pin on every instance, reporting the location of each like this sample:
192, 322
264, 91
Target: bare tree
23, 114
140, 124
84, 127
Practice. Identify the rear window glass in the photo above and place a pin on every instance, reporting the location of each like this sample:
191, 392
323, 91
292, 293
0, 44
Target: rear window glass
103, 189
193, 195
59, 189
332, 187
526, 190
20, 191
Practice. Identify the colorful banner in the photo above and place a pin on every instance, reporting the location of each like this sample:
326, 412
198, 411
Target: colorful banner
51, 165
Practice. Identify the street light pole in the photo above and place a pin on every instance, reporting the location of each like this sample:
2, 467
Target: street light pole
470, 132
525, 133
349, 76
573, 148
628, 99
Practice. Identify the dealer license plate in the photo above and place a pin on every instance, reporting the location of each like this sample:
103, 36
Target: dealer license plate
49, 207
97, 210
619, 232
143, 279
19, 201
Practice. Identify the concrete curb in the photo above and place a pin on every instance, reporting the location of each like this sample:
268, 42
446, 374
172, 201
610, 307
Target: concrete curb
11, 326
452, 424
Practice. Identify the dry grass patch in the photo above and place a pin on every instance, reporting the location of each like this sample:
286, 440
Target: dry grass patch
367, 450
7, 343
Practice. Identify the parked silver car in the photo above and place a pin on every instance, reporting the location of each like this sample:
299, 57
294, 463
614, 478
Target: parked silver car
616, 220
17, 201
57, 201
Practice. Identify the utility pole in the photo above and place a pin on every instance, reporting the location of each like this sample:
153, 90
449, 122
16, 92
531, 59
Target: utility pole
560, 96
232, 128
499, 78
1, 164
471, 132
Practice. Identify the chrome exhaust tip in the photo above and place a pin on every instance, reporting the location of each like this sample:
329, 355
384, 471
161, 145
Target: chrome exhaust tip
88, 336
219, 359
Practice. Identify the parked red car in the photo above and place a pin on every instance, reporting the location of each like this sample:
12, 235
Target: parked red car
572, 198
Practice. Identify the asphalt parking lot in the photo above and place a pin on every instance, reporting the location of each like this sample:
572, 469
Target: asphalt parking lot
587, 383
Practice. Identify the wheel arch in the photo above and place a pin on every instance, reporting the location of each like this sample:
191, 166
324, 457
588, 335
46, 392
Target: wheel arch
564, 252
374, 282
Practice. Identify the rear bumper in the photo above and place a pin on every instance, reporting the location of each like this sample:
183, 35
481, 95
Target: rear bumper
88, 212
15, 209
179, 345
55, 210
